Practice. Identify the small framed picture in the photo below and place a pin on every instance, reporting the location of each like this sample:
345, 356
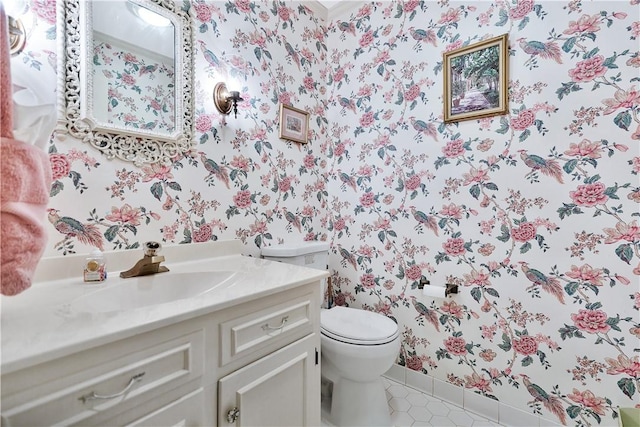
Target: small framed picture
476, 80
294, 124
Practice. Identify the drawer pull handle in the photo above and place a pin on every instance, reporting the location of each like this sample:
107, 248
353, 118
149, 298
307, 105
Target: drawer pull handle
94, 396
233, 415
267, 327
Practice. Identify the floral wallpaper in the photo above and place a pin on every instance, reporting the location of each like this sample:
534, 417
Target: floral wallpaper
140, 92
534, 213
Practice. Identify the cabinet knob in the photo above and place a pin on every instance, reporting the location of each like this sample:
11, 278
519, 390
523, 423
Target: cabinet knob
232, 415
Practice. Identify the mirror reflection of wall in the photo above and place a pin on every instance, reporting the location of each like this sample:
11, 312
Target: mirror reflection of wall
133, 67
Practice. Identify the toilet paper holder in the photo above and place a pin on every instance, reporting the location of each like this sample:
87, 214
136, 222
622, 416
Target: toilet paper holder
450, 288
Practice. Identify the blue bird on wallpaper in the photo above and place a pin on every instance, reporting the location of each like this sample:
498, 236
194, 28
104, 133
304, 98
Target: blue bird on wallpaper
348, 257
347, 27
209, 56
551, 402
548, 167
423, 311
548, 284
292, 53
423, 127
428, 221
549, 50
88, 234
347, 103
216, 170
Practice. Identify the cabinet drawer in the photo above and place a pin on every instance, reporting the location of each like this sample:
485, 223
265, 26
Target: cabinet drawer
86, 397
265, 326
184, 412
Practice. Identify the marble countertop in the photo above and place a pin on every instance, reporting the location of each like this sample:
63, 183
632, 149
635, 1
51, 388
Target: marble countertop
38, 325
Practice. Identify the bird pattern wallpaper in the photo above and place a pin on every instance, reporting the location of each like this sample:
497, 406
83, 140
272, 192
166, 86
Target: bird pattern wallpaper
534, 214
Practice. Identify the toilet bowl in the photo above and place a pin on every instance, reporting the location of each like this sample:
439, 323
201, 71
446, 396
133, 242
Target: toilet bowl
357, 347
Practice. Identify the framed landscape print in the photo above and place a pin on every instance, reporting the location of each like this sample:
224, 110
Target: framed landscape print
476, 80
294, 124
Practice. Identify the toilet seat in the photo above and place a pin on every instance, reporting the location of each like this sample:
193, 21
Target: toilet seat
358, 327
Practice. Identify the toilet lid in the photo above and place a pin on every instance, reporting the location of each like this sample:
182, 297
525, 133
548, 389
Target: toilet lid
357, 326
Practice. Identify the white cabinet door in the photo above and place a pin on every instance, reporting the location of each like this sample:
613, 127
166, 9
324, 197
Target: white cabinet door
281, 389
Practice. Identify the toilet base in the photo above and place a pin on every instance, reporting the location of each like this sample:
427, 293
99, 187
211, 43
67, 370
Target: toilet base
358, 404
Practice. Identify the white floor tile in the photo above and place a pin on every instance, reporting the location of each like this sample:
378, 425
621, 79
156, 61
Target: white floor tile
409, 408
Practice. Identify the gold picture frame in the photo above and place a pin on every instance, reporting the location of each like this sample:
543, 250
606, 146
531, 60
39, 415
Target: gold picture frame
476, 80
294, 124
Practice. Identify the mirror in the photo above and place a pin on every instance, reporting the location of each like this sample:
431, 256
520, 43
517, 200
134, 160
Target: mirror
125, 77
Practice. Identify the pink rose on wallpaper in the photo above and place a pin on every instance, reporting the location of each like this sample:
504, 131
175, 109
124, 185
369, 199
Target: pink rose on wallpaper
414, 363
128, 79
589, 400
203, 233
308, 83
412, 93
591, 321
524, 232
284, 13
339, 74
367, 119
526, 345
309, 161
624, 365
156, 171
521, 10
410, 5
203, 123
366, 39
130, 58
243, 5
523, 120
454, 246
586, 273
450, 16
585, 148
242, 199
339, 224
636, 298
203, 12
589, 195
60, 166
284, 184
124, 215
413, 182
45, 10
456, 346
588, 69
367, 199
368, 280
586, 24
622, 99
285, 98
453, 149
339, 149
413, 272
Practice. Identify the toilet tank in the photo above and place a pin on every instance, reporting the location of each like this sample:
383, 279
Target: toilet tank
306, 254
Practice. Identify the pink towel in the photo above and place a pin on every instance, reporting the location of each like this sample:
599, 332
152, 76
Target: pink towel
24, 190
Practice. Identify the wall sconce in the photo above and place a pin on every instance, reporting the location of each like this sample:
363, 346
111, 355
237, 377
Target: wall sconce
224, 100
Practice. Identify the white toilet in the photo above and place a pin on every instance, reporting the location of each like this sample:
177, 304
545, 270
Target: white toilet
358, 346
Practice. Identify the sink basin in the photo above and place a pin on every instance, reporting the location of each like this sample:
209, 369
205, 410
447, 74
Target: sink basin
129, 294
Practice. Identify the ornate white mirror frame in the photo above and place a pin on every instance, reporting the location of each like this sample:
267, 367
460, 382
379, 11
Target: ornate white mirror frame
139, 146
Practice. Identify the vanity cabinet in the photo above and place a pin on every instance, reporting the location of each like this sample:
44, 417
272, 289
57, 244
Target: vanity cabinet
255, 361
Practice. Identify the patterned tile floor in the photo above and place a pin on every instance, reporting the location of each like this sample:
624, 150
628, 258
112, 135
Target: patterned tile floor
410, 407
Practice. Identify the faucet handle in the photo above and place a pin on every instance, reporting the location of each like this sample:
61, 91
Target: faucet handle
152, 248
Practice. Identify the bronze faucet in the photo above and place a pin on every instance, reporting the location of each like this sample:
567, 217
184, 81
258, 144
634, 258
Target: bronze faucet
149, 264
